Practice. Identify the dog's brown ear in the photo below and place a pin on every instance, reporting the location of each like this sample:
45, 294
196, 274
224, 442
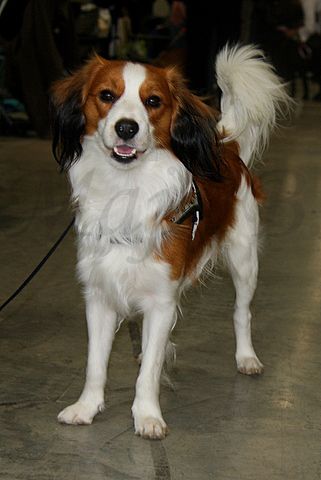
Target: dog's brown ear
68, 97
194, 138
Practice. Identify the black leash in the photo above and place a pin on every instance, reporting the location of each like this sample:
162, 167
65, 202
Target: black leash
38, 267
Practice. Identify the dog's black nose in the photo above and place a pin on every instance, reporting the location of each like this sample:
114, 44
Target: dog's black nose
126, 128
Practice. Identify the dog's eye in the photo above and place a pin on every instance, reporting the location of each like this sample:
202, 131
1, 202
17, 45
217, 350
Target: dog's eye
107, 96
153, 101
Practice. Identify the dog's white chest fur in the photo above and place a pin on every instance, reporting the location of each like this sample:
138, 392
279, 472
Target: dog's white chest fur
119, 223
127, 278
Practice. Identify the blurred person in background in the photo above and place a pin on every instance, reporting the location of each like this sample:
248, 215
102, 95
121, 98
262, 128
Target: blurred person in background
275, 27
177, 16
209, 26
161, 9
310, 37
40, 45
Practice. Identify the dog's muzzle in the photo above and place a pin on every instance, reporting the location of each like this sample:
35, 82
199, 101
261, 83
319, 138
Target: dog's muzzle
126, 129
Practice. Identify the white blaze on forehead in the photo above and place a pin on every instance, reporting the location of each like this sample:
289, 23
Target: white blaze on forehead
134, 76
129, 105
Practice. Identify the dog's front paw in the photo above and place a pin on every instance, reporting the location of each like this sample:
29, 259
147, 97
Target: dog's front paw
249, 365
80, 413
151, 428
148, 420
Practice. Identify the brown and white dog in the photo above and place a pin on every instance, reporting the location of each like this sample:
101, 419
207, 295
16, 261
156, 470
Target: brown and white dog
161, 186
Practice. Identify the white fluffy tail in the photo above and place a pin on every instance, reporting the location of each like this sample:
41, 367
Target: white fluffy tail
253, 98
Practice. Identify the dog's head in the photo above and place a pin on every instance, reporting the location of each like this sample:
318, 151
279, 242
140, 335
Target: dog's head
133, 108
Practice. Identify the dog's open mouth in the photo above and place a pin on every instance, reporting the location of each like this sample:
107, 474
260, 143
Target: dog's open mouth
124, 153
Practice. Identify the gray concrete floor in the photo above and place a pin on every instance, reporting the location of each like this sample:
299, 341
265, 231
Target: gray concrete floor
224, 426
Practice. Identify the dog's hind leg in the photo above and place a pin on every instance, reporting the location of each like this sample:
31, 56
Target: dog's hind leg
159, 320
102, 324
241, 255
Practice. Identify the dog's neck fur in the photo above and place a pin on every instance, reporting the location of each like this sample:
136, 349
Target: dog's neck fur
126, 205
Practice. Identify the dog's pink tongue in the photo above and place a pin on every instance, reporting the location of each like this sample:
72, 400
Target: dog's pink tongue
125, 150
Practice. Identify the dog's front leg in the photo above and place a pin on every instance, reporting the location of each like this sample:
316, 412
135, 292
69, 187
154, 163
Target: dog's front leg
148, 419
101, 323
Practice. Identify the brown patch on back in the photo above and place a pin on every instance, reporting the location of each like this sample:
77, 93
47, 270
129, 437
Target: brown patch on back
219, 201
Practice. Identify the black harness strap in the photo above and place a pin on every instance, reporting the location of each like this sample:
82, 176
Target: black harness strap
192, 208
